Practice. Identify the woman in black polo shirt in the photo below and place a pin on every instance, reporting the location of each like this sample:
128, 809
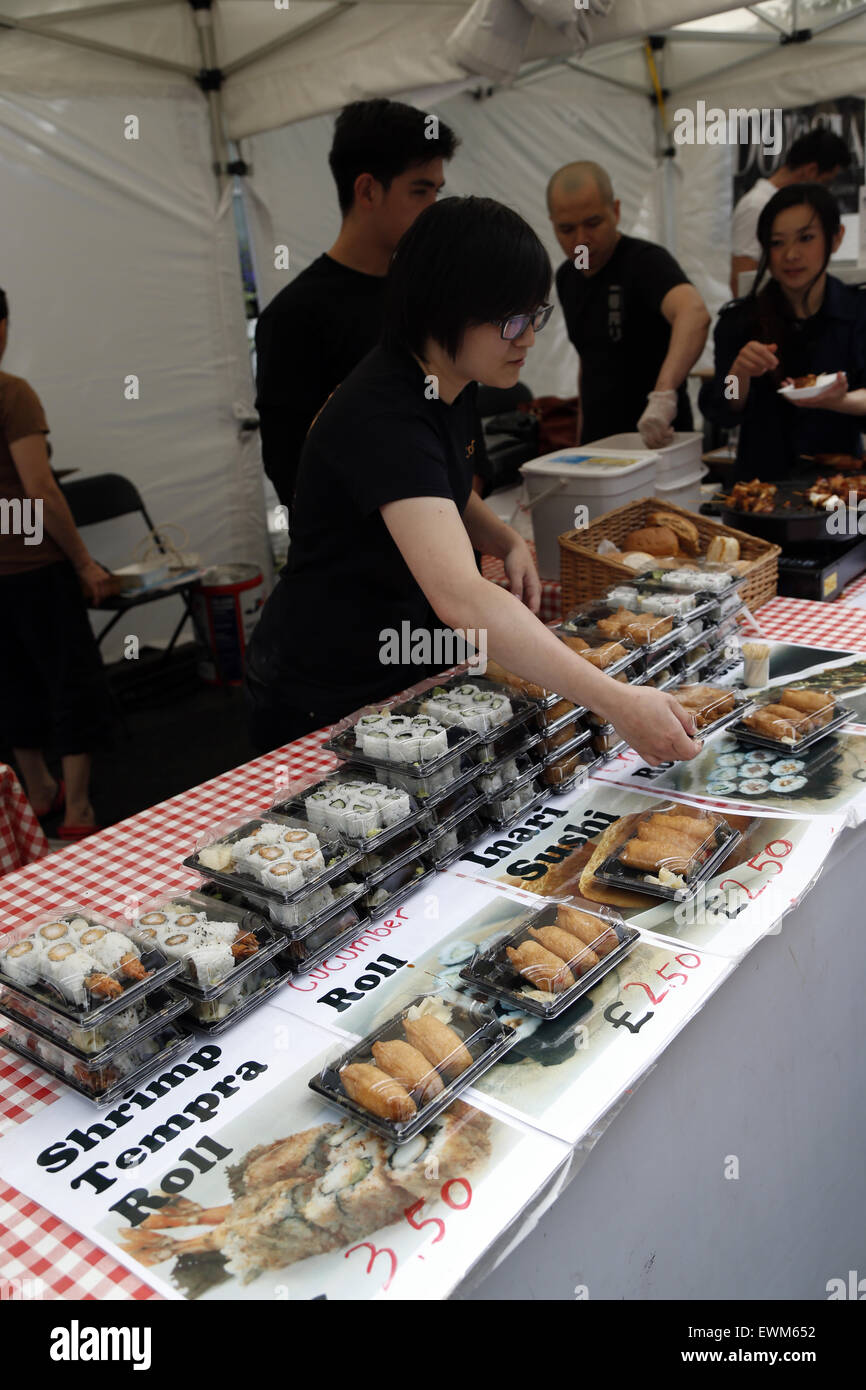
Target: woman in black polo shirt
802, 321
385, 516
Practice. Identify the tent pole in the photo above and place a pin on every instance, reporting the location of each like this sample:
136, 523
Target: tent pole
210, 80
43, 31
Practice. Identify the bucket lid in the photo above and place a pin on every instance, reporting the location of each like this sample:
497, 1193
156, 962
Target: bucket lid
589, 463
219, 576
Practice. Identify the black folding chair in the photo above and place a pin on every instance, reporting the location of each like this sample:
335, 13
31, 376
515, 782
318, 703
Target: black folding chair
104, 497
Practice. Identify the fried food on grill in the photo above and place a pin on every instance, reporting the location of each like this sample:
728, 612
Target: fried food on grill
754, 497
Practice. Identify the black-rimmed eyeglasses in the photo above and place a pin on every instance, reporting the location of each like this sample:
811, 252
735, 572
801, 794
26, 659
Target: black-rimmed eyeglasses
517, 324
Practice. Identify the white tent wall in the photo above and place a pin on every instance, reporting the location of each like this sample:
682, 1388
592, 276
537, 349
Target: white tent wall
116, 263
511, 144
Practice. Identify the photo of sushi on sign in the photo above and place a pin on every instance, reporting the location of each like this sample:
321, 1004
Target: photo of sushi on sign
314, 1205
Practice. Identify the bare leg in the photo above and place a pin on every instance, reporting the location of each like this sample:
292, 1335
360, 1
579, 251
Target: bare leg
40, 786
76, 774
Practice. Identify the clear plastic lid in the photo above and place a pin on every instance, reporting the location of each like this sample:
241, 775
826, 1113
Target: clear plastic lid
99, 1040
503, 808
215, 943
543, 699
605, 653
711, 706
647, 631
300, 915
669, 852
386, 891
651, 596
80, 965
702, 577
412, 735
450, 844
281, 856
402, 1075
456, 801
551, 956
516, 740
484, 706
564, 735
358, 807
569, 767
100, 1082
792, 719
497, 776
305, 949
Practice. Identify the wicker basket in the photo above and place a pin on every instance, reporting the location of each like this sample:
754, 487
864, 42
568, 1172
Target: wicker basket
587, 575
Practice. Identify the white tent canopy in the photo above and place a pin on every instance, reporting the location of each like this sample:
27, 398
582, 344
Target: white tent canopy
119, 254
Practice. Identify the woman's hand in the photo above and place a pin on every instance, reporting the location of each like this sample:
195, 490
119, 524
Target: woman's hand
755, 359
830, 398
654, 724
96, 582
522, 575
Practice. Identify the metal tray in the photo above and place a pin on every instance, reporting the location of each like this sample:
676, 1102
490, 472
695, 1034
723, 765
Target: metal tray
492, 972
489, 1041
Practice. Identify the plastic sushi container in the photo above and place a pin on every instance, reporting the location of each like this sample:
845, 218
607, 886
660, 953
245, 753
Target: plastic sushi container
664, 673
596, 639
352, 806
302, 913
607, 741
604, 941
587, 616
558, 712
703, 578
569, 767
440, 1050
312, 941
492, 710
226, 856
565, 733
448, 844
100, 1040
538, 1037
499, 746
678, 875
100, 1082
720, 718
516, 801
436, 749
64, 992
386, 891
455, 801
235, 939
803, 733
651, 596
501, 774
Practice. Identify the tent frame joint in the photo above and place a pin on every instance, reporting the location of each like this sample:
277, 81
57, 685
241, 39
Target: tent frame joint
798, 36
210, 79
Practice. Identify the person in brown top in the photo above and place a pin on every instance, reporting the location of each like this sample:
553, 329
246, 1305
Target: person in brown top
53, 690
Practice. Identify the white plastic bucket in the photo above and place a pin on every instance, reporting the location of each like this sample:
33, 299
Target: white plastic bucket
679, 470
591, 477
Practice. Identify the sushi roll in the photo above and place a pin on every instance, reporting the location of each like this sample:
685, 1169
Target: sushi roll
76, 924
395, 807
148, 938
161, 918
398, 722
258, 857
115, 953
310, 861
285, 876
53, 932
74, 972
179, 944
298, 839
787, 767
432, 744
267, 833
23, 961
376, 743
754, 786
316, 807
403, 747
423, 721
209, 961
360, 817
368, 722
789, 783
500, 710
476, 720
188, 921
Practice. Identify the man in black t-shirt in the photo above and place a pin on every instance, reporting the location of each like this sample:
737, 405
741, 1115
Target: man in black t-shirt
638, 325
387, 160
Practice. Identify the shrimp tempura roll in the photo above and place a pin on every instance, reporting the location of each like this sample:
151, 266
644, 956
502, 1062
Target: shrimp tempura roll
377, 1092
561, 943
439, 1044
410, 1067
540, 967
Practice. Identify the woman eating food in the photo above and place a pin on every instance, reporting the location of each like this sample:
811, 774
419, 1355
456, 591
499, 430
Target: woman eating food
799, 325
385, 516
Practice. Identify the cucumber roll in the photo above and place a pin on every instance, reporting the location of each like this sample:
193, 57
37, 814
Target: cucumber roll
361, 817
376, 743
403, 746
337, 812
432, 744
210, 961
316, 807
500, 710
395, 807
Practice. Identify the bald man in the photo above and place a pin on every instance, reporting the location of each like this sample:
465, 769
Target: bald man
638, 325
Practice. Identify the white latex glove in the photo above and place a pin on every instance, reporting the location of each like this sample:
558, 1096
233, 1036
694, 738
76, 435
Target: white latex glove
656, 423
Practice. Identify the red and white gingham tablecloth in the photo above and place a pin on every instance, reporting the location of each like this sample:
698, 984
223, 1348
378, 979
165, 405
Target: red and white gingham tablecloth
140, 857
22, 839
